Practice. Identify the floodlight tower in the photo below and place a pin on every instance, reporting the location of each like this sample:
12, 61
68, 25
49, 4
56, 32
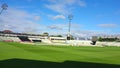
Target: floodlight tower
4, 7
70, 17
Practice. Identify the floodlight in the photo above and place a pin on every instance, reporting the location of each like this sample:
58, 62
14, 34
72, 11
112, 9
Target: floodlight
4, 7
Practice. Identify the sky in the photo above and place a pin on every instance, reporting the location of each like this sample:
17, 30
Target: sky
38, 16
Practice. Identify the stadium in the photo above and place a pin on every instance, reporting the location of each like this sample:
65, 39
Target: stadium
9, 36
37, 34
32, 51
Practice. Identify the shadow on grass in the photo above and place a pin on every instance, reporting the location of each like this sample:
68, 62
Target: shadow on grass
22, 63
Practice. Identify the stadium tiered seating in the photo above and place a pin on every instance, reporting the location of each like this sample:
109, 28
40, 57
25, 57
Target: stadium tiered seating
46, 41
24, 38
15, 39
35, 39
6, 39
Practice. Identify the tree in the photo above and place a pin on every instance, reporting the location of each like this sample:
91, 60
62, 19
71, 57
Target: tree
71, 37
45, 34
108, 39
59, 35
100, 39
56, 36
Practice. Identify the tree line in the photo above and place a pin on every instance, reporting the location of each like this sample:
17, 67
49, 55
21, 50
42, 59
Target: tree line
109, 39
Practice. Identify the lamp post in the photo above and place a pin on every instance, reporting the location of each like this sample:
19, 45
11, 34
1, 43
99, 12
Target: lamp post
4, 7
70, 17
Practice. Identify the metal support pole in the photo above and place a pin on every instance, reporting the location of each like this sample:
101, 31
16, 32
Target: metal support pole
1, 11
70, 17
4, 7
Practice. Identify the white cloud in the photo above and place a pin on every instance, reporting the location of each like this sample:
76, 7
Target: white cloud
18, 21
37, 18
81, 3
76, 32
90, 33
68, 2
108, 25
55, 27
64, 26
58, 26
58, 8
64, 6
87, 33
58, 17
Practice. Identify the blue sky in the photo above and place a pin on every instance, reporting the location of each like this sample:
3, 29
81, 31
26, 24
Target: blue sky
39, 16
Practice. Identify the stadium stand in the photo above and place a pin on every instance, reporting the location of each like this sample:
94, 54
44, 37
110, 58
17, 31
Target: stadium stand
35, 39
57, 39
6, 39
15, 39
46, 40
24, 38
10, 36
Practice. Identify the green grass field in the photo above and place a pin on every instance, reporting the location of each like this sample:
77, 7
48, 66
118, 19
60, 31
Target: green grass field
16, 55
